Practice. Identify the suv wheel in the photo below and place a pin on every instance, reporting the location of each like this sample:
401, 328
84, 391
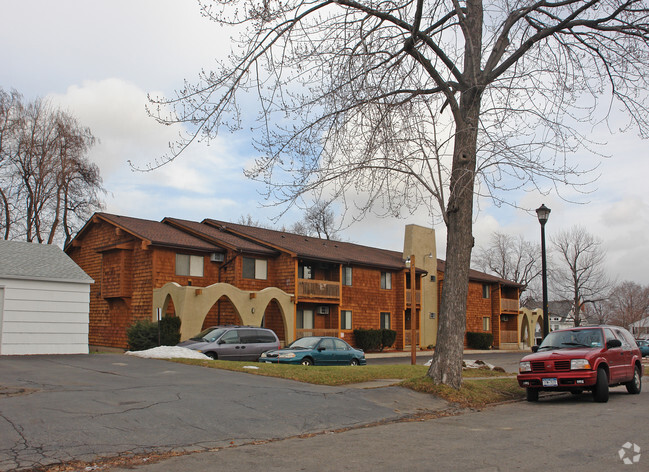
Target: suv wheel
635, 386
600, 391
532, 394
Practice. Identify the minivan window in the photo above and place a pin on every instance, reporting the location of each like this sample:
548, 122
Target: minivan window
209, 335
231, 337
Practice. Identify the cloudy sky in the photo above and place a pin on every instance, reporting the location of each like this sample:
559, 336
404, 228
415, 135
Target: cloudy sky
99, 60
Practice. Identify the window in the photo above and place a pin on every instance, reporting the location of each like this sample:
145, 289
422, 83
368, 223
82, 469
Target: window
385, 320
386, 280
485, 291
304, 272
340, 345
255, 268
231, 337
189, 265
304, 319
346, 319
347, 275
327, 344
486, 323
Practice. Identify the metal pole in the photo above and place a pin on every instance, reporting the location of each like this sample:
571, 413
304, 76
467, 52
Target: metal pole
546, 321
413, 312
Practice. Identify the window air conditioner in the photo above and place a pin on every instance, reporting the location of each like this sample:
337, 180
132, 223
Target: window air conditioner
323, 310
217, 257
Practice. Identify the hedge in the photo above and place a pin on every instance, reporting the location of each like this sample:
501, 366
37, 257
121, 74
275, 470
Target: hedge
479, 340
143, 334
374, 339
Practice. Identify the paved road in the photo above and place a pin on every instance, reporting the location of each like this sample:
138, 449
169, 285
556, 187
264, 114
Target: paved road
60, 408
562, 433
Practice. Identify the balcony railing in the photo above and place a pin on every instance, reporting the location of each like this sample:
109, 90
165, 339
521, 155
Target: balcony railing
318, 289
509, 304
508, 337
302, 333
409, 296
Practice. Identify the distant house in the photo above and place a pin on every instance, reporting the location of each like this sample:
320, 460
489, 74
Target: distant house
640, 328
44, 301
215, 272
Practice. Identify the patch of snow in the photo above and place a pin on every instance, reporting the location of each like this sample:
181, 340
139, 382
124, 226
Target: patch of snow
469, 364
168, 352
250, 367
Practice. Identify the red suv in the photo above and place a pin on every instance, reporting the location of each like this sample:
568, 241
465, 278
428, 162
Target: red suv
585, 358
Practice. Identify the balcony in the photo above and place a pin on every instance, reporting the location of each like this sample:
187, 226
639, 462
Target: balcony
409, 296
509, 305
508, 337
318, 289
302, 333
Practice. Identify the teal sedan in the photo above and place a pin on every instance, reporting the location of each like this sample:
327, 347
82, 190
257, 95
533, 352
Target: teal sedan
643, 344
316, 350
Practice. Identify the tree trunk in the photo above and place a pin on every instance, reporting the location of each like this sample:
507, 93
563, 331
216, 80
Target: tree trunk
446, 366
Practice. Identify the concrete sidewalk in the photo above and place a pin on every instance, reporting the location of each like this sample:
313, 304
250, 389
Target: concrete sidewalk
386, 354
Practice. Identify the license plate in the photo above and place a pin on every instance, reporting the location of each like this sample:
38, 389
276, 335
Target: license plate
550, 383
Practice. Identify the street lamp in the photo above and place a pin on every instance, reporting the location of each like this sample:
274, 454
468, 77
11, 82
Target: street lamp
543, 213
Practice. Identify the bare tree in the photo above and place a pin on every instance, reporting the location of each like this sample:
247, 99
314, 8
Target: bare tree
580, 272
320, 221
510, 257
628, 303
598, 312
49, 187
389, 107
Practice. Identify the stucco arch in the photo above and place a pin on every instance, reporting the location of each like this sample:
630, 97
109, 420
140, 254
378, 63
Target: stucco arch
528, 322
193, 303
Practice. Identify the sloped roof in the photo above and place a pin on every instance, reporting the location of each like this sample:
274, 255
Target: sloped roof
32, 261
478, 276
316, 248
157, 233
212, 235
217, 236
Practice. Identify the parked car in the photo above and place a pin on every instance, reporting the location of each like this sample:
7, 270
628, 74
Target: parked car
643, 345
233, 343
584, 358
316, 350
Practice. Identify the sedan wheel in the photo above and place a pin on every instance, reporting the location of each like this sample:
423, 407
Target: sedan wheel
635, 386
307, 361
354, 361
212, 355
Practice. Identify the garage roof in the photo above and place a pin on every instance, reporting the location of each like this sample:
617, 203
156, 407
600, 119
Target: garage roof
23, 260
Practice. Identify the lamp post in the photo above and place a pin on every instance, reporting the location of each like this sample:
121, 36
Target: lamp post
543, 213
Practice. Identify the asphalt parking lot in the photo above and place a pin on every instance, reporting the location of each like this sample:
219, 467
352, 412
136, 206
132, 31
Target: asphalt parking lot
60, 408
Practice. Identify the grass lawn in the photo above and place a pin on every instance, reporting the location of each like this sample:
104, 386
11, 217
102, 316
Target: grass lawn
479, 388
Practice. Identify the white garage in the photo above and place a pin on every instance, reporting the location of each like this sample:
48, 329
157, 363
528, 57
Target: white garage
44, 301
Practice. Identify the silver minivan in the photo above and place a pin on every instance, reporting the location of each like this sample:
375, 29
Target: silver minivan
233, 343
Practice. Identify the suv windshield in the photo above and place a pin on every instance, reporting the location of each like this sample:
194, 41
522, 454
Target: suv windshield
209, 335
573, 338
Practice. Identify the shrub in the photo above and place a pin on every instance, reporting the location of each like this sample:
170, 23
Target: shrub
368, 339
374, 339
143, 334
388, 337
479, 340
